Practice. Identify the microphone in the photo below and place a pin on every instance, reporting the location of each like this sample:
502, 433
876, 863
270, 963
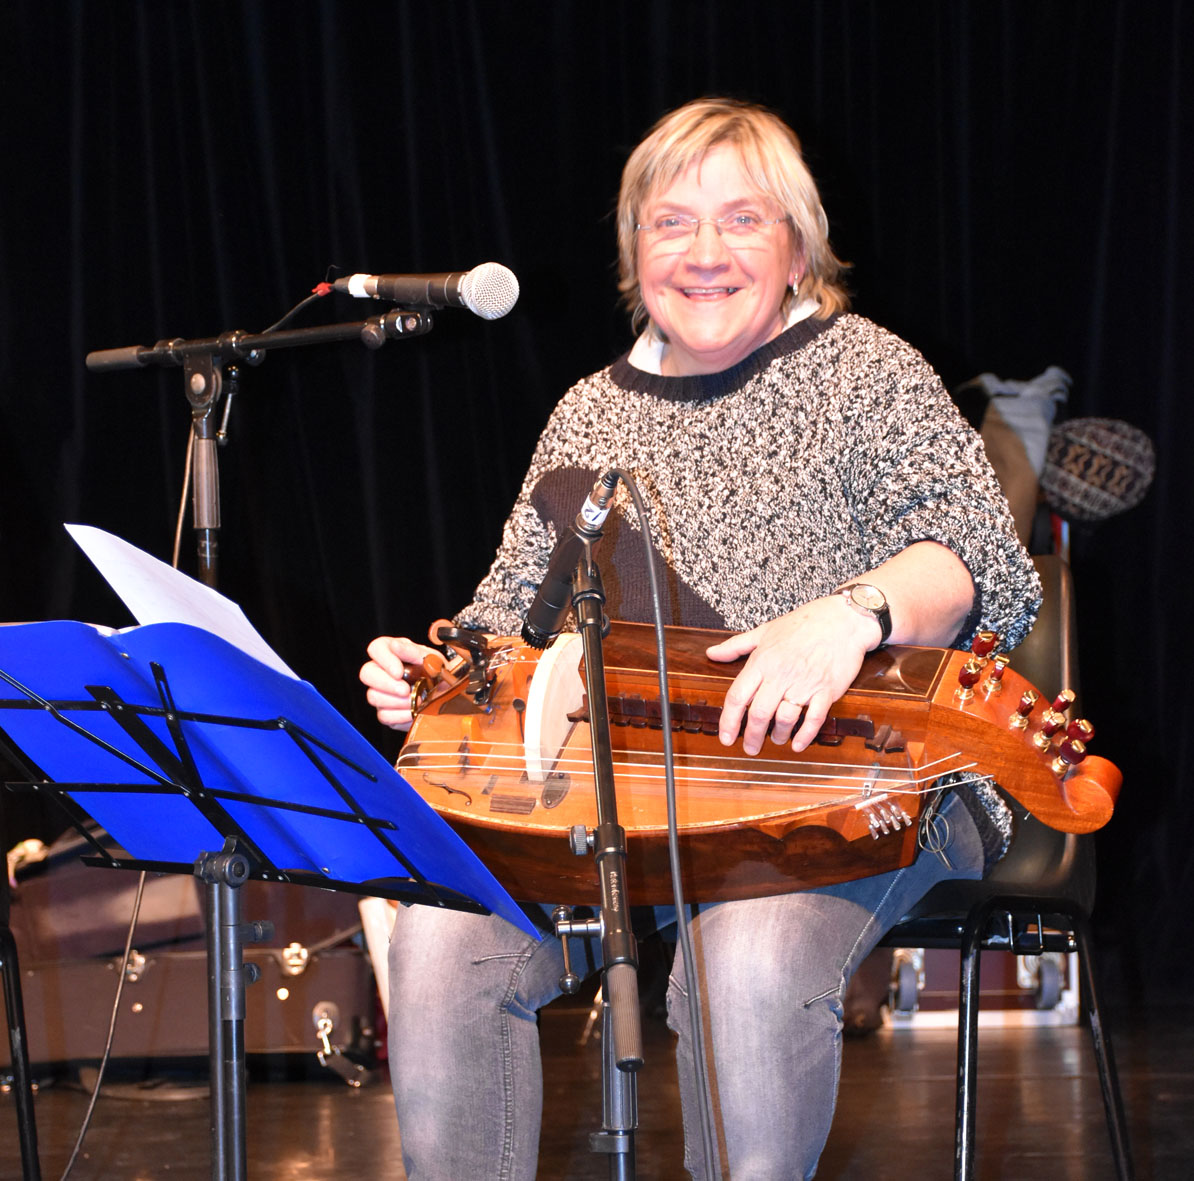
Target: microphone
488, 291
545, 620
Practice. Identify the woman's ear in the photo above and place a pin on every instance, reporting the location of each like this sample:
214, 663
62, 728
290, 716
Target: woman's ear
798, 268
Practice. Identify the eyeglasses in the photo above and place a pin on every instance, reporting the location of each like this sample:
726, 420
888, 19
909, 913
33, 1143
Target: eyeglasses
678, 229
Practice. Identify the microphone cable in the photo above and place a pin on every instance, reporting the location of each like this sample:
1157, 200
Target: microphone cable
141, 877
107, 1054
683, 938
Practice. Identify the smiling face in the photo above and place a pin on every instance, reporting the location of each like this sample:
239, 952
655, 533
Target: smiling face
717, 298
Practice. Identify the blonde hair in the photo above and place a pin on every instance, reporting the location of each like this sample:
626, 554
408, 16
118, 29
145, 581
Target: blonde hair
772, 158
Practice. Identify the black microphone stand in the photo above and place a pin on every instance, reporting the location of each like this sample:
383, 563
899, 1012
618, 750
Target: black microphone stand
202, 363
622, 1045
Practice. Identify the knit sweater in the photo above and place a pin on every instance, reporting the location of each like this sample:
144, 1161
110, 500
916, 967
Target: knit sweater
822, 454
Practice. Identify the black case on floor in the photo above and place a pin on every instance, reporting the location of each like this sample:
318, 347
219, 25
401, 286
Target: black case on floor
70, 922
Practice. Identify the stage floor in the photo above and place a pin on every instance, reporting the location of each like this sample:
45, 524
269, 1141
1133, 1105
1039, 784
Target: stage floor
1040, 1111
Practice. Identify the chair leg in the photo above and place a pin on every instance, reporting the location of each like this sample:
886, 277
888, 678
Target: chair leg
22, 1079
1117, 1124
969, 974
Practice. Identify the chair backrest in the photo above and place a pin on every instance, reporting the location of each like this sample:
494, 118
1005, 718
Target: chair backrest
1048, 657
1042, 862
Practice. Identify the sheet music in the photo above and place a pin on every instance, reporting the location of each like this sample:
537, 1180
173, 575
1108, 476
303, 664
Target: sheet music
301, 788
157, 593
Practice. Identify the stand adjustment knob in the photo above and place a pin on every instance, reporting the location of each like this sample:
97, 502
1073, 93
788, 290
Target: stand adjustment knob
561, 916
580, 839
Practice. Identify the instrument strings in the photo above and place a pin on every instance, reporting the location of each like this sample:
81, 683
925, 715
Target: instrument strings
708, 773
701, 775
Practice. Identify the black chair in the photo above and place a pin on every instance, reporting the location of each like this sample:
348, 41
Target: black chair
1036, 900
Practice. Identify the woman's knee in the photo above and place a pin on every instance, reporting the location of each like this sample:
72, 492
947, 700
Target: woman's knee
438, 960
794, 950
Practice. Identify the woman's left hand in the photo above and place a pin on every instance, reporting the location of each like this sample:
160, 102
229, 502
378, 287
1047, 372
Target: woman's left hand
798, 664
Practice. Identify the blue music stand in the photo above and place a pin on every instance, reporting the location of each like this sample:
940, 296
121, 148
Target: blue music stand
198, 759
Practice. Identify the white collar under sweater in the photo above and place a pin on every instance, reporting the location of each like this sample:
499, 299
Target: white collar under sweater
647, 353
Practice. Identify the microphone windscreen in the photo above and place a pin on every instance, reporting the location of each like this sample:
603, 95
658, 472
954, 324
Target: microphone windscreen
490, 290
1096, 468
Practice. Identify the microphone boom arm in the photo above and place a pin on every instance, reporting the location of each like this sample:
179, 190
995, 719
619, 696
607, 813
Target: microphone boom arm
202, 363
251, 347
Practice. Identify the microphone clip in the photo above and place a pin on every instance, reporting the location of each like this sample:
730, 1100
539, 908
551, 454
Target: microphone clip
545, 619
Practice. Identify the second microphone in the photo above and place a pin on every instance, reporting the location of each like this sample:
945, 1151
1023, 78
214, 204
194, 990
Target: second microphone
489, 290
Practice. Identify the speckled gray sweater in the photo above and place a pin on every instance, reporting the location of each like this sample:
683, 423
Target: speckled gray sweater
822, 454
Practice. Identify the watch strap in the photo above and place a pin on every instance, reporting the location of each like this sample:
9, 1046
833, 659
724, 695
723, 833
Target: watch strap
881, 615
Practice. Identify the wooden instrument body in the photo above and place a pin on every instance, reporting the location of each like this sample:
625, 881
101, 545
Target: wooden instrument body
514, 776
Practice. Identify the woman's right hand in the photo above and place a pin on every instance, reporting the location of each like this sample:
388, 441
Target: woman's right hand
386, 691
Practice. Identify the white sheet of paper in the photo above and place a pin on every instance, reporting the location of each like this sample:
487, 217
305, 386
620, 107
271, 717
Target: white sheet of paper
157, 593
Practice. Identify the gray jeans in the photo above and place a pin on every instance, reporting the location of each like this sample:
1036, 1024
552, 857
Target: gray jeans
464, 1042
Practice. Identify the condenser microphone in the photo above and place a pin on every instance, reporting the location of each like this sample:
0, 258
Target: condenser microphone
545, 619
488, 291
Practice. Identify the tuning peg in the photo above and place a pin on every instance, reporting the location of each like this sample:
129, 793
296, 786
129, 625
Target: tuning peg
1080, 729
995, 676
968, 676
1019, 720
1051, 722
984, 643
1071, 752
1063, 701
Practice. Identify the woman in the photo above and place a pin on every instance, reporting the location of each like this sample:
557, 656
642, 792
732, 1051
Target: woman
812, 490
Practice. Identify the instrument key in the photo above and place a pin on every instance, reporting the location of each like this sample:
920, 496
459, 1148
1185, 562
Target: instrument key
1019, 720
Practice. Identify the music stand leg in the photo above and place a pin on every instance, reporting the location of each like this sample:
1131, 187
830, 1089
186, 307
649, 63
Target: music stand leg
22, 1080
227, 974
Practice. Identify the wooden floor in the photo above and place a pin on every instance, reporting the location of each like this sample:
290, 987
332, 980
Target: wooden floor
1040, 1111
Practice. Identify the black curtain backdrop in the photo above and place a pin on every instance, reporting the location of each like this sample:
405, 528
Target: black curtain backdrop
1011, 181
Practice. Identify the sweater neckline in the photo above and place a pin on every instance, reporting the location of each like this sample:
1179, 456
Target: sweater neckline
699, 386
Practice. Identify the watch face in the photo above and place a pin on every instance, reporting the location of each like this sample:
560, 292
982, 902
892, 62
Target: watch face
870, 597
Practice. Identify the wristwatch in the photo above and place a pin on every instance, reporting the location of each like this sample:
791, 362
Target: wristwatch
869, 600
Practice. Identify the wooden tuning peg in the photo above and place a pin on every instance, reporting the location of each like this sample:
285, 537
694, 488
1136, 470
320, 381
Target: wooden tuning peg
1063, 701
1019, 719
1051, 722
995, 676
984, 643
968, 676
1071, 752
